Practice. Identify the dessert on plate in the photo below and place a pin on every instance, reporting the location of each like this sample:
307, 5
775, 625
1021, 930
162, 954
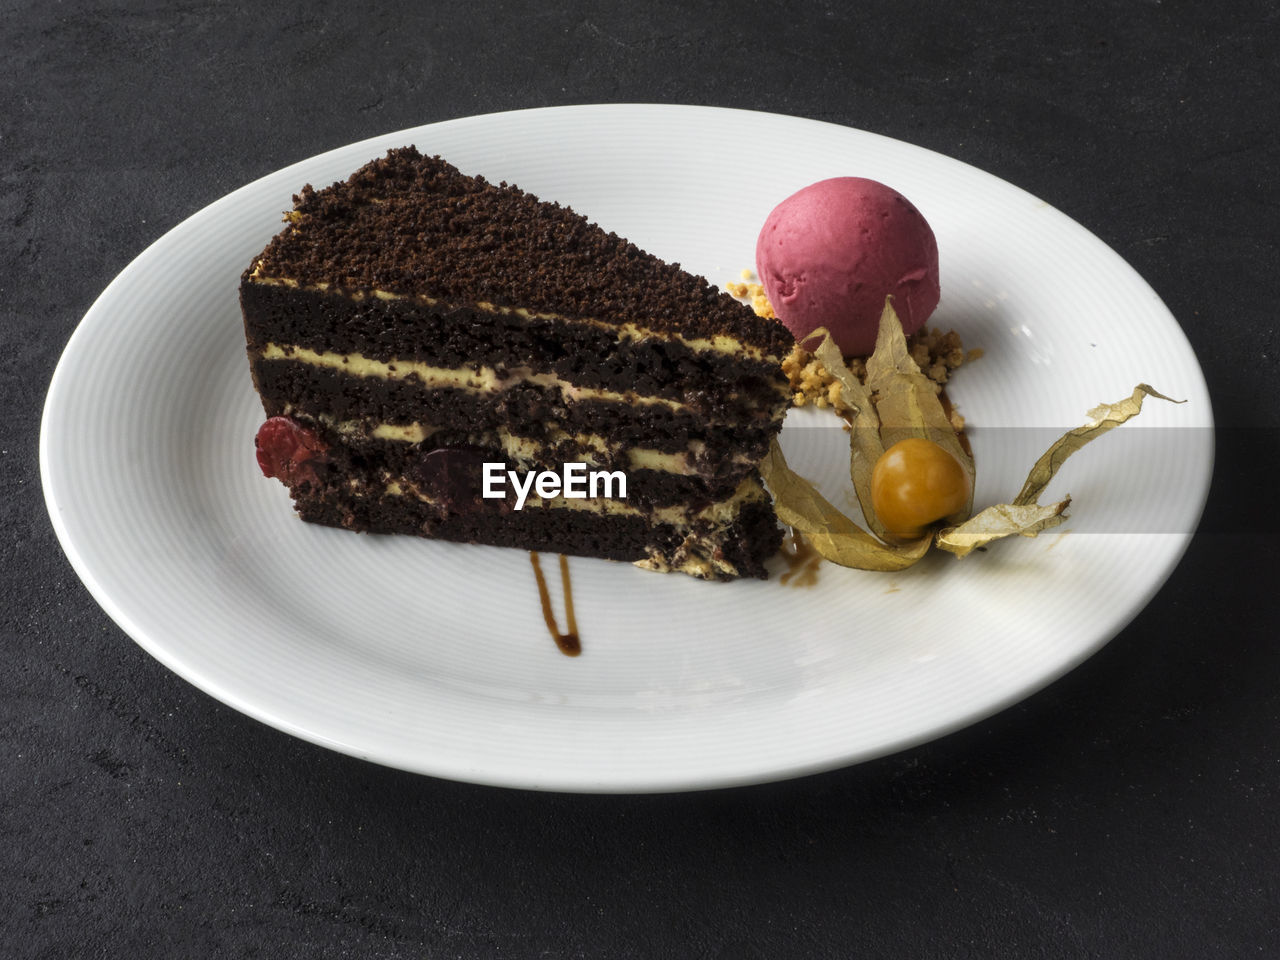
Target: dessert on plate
412, 324
437, 355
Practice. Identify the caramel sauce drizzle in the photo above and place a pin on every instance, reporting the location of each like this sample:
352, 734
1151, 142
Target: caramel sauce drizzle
802, 561
568, 642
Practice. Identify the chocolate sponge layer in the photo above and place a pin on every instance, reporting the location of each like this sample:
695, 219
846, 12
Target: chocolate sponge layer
359, 455
745, 544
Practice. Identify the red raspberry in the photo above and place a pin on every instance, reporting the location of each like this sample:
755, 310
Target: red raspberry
288, 450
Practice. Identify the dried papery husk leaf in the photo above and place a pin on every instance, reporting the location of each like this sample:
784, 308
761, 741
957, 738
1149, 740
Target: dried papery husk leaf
833, 535
1002, 520
895, 403
865, 445
908, 403
852, 392
1104, 417
1024, 517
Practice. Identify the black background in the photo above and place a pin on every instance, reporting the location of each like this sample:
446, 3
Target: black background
1128, 810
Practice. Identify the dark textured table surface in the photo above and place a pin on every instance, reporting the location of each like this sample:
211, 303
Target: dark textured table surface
1130, 809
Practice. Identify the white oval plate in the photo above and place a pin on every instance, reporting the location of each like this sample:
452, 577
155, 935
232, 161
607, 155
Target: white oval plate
432, 657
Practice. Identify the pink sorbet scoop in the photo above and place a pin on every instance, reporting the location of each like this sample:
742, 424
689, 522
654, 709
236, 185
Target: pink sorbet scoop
829, 255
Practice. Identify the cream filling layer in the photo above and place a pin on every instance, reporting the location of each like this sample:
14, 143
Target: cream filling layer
478, 379
629, 331
721, 513
688, 560
591, 449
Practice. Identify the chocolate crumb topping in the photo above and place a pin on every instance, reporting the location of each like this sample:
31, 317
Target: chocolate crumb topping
414, 225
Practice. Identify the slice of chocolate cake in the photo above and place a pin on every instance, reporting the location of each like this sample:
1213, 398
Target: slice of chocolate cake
413, 324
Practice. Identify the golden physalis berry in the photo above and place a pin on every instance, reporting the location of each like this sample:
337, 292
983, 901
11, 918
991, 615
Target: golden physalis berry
916, 483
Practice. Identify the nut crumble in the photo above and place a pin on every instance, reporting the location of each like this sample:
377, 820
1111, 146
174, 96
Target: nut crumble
937, 354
